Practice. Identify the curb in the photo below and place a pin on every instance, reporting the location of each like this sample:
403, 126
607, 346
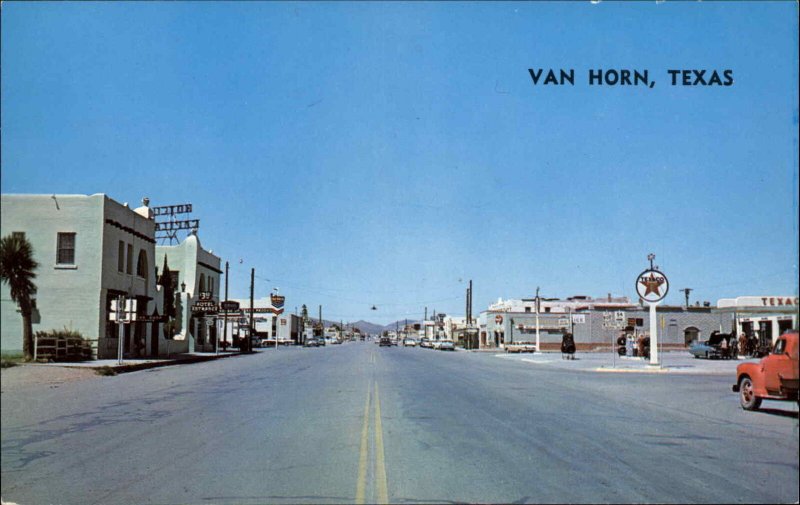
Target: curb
156, 364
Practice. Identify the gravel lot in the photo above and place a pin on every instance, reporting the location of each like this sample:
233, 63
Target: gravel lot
36, 376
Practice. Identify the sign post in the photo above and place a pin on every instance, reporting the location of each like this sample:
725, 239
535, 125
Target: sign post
123, 311
652, 286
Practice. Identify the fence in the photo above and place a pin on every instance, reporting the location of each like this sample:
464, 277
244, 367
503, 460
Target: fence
50, 348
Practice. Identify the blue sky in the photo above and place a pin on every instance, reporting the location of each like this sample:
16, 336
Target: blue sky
385, 153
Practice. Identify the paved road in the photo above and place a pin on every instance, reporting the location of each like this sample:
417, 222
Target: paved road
358, 423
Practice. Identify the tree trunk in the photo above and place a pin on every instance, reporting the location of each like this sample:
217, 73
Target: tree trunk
27, 329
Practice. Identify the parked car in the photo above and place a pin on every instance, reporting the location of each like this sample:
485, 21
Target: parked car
521, 347
385, 342
713, 347
775, 377
409, 342
446, 345
425, 342
311, 342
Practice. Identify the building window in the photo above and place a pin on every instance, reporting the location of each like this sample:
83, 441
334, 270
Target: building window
65, 249
121, 257
129, 262
202, 283
141, 264
18, 234
527, 309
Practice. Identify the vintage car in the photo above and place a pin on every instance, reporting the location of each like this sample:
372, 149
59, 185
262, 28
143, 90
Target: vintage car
446, 345
520, 347
713, 347
774, 377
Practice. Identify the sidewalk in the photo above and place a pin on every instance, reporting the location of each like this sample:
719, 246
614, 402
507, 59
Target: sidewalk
672, 362
132, 365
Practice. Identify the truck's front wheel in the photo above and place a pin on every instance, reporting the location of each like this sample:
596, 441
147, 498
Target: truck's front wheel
747, 397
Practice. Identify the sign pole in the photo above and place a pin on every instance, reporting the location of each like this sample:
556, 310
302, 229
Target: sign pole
653, 335
538, 349
225, 314
121, 327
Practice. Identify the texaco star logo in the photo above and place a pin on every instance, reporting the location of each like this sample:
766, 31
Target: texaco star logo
652, 285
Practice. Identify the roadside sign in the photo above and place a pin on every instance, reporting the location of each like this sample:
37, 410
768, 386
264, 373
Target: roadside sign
205, 295
619, 315
208, 307
130, 305
229, 306
652, 285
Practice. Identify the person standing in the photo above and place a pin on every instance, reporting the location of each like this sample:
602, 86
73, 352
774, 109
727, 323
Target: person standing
743, 344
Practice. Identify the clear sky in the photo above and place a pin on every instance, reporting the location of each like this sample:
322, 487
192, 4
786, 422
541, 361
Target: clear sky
385, 153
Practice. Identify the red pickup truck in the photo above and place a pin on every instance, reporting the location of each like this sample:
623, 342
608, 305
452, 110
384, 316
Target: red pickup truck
775, 377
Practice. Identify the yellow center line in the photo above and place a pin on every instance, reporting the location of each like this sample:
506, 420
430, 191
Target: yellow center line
362, 456
383, 494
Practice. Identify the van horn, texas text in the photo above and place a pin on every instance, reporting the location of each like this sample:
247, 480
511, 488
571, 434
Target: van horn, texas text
632, 77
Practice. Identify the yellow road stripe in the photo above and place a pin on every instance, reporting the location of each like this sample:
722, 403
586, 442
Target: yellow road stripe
383, 494
362, 456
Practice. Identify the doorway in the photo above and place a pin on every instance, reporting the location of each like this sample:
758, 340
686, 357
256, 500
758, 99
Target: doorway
690, 334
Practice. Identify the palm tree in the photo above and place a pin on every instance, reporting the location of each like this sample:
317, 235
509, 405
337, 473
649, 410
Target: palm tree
17, 270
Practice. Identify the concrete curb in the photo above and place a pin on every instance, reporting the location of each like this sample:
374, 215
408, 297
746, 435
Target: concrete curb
155, 364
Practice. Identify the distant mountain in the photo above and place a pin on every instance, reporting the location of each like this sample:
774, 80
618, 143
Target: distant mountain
398, 325
367, 327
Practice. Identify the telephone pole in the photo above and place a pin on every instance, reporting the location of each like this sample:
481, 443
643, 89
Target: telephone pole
686, 292
225, 313
249, 343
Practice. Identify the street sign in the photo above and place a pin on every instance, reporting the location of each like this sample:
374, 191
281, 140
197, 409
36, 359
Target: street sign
229, 306
130, 305
619, 315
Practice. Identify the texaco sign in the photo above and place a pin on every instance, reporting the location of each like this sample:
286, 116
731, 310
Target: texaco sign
652, 285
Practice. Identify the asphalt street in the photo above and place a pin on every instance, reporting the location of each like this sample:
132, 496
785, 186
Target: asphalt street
356, 423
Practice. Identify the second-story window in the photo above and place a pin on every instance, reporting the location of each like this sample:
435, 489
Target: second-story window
141, 264
65, 249
121, 257
129, 262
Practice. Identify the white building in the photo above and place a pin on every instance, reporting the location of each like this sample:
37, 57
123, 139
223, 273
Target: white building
90, 249
269, 321
765, 317
194, 271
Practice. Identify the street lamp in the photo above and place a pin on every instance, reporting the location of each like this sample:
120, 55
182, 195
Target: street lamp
183, 287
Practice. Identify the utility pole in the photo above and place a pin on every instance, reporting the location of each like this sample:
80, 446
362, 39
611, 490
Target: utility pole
538, 349
686, 292
321, 324
469, 304
225, 313
250, 333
